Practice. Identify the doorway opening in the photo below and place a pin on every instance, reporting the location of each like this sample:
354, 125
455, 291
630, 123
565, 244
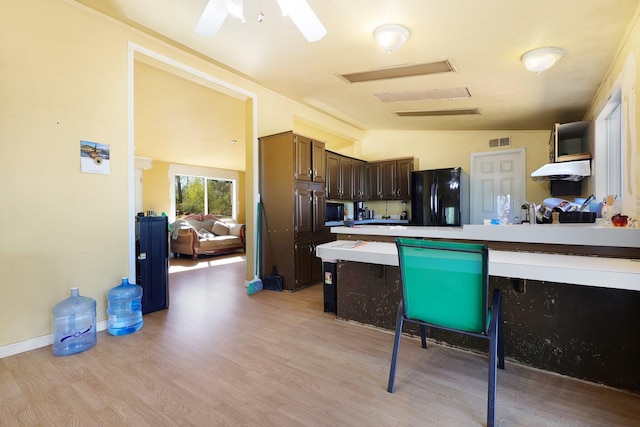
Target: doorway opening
139, 53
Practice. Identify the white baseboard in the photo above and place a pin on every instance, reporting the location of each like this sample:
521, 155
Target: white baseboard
34, 343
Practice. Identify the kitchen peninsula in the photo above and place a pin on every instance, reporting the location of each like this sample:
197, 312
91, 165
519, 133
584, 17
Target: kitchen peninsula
570, 291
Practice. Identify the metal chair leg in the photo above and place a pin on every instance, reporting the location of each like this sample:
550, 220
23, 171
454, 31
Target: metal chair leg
491, 398
423, 335
496, 354
396, 345
500, 336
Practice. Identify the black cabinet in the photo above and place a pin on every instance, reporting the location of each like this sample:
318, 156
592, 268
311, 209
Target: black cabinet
152, 262
571, 141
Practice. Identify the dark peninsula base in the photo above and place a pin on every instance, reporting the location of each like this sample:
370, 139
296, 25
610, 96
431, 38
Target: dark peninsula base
581, 331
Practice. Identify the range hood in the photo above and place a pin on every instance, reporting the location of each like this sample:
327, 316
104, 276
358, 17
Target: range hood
564, 171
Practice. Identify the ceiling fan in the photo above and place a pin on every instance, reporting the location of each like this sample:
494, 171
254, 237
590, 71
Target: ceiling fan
299, 11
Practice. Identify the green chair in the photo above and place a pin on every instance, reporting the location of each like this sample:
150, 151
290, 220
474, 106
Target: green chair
445, 286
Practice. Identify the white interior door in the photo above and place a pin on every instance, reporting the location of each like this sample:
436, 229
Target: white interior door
493, 173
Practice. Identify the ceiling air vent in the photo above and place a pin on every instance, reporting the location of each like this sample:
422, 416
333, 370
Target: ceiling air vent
401, 71
437, 113
500, 142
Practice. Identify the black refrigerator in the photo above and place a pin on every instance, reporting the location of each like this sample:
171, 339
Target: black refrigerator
440, 197
152, 261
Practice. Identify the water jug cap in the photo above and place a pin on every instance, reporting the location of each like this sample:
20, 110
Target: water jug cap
75, 292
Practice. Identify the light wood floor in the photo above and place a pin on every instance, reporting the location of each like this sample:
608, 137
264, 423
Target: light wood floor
220, 357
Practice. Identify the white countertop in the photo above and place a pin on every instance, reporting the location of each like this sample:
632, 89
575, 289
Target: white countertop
373, 221
564, 234
580, 270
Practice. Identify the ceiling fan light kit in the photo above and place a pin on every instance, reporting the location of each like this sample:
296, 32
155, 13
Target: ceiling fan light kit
541, 59
391, 36
216, 12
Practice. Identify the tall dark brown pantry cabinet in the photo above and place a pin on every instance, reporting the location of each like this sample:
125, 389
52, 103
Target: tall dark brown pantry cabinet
292, 192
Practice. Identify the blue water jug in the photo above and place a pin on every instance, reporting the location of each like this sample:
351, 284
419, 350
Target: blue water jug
74, 324
124, 308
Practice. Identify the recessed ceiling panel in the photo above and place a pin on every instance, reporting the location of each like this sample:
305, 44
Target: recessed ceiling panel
402, 71
425, 95
432, 113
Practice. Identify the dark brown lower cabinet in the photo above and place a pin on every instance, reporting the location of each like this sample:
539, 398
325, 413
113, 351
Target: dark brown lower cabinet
308, 266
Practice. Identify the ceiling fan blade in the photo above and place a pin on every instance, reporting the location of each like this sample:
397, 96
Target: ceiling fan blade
304, 18
235, 8
212, 18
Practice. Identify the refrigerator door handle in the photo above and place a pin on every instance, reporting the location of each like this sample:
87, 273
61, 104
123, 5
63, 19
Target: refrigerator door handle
432, 191
436, 198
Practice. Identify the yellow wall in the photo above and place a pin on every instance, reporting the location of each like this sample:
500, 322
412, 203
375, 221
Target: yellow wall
65, 79
624, 73
333, 141
183, 121
155, 188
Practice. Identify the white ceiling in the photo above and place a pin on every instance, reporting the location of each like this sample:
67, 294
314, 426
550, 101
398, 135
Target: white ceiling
483, 38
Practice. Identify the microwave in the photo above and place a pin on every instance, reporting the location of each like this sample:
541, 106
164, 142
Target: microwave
335, 211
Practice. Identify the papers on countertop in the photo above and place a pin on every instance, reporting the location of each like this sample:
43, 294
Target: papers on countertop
348, 244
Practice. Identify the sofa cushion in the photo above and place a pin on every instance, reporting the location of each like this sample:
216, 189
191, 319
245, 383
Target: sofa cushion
219, 242
220, 229
203, 233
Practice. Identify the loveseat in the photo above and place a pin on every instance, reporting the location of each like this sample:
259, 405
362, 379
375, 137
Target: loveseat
206, 234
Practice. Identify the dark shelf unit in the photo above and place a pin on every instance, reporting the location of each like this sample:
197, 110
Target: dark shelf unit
152, 261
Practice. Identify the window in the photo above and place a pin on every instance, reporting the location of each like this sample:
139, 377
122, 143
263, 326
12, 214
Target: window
194, 194
608, 150
614, 151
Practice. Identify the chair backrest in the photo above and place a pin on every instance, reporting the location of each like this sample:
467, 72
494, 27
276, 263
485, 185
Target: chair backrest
445, 283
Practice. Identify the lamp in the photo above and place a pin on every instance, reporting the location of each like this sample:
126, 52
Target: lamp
391, 36
538, 60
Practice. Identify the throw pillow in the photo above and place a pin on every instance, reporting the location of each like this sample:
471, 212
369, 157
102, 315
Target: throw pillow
220, 229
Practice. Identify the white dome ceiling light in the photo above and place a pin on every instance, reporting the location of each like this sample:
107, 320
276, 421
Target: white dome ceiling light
538, 60
391, 36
